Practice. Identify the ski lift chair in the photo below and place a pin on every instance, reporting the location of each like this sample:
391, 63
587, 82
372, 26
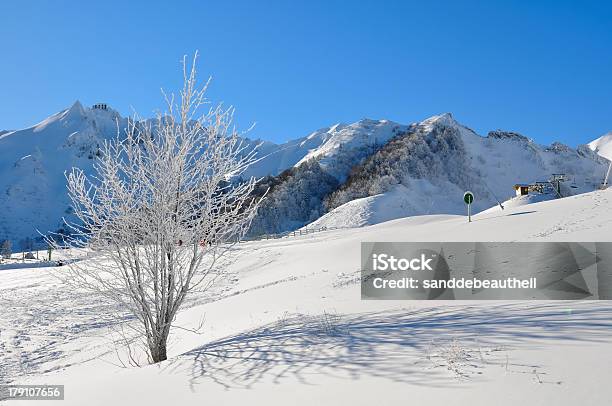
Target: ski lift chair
573, 185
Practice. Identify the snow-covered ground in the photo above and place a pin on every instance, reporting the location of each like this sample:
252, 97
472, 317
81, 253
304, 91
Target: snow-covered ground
293, 329
401, 201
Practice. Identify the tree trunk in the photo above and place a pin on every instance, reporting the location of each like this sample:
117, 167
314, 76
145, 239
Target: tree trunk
158, 350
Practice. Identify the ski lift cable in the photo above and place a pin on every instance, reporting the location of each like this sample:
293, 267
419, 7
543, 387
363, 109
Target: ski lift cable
487, 187
605, 182
493, 194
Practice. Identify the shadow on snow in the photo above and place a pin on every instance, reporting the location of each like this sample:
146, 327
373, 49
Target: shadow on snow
392, 345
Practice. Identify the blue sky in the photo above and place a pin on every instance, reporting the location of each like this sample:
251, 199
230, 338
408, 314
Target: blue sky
537, 67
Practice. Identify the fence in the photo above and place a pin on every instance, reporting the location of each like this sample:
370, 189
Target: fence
294, 233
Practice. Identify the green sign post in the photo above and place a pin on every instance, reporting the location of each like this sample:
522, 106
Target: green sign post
468, 198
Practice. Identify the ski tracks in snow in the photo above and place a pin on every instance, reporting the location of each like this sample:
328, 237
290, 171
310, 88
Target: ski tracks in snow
579, 219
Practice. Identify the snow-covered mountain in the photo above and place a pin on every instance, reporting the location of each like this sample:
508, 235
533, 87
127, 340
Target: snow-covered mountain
361, 173
297, 195
427, 170
32, 165
336, 148
346, 145
275, 158
33, 161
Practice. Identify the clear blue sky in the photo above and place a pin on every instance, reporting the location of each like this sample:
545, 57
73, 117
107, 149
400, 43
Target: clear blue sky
543, 68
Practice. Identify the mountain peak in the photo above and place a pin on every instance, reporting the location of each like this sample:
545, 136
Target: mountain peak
443, 119
74, 111
76, 106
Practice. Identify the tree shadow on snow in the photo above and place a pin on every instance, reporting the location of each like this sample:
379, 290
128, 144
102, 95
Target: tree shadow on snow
521, 213
395, 345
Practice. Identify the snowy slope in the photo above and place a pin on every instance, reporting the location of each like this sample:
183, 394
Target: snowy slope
400, 201
32, 165
275, 158
338, 148
519, 201
603, 145
267, 340
346, 145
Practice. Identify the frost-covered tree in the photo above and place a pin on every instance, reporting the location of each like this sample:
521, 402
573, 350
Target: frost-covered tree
7, 249
158, 218
295, 198
26, 245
